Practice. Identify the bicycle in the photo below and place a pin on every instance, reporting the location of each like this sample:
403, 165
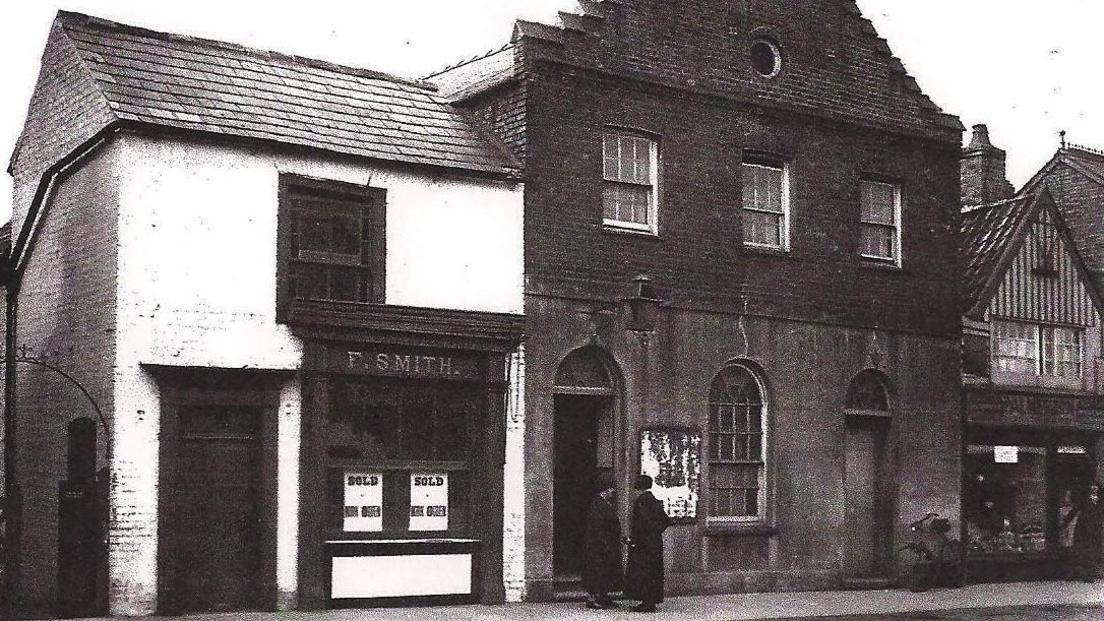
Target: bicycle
932, 558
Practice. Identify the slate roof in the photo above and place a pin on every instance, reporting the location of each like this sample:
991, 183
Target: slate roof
198, 84
988, 232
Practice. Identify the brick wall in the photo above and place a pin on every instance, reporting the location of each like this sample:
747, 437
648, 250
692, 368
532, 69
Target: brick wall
65, 110
65, 316
502, 110
834, 62
698, 258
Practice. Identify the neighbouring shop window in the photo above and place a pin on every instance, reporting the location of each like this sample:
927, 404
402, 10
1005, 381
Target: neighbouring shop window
766, 204
737, 445
672, 457
1032, 349
331, 241
399, 454
1005, 499
880, 207
629, 167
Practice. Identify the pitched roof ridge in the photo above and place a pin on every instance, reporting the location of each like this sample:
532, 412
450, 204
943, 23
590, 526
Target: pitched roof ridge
73, 19
468, 61
972, 208
1078, 148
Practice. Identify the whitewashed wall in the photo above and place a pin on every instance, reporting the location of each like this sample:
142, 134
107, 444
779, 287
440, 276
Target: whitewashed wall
197, 287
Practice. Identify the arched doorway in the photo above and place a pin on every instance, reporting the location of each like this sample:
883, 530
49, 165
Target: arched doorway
583, 451
868, 477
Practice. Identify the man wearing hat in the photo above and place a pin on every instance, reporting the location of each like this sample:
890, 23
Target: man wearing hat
602, 547
644, 579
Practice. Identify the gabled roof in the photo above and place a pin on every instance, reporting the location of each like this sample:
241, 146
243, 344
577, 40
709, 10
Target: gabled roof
209, 86
991, 237
1086, 160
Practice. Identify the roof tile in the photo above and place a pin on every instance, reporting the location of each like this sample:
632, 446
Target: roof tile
198, 84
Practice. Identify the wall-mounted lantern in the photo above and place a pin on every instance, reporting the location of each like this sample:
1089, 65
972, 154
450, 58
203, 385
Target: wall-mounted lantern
643, 306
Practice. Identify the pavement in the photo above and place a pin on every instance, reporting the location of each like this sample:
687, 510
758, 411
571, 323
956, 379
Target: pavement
1031, 601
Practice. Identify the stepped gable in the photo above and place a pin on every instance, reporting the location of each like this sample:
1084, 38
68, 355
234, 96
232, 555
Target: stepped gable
833, 61
189, 83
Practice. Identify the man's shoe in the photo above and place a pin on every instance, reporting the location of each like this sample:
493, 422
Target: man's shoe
594, 605
644, 607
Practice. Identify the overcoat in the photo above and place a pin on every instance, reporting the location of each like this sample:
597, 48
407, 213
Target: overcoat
1088, 534
602, 548
644, 575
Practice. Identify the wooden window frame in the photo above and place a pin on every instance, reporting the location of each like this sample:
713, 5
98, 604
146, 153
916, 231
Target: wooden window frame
898, 253
712, 432
372, 205
783, 167
652, 225
1042, 348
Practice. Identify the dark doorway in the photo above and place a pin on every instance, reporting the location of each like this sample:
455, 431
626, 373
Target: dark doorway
213, 545
867, 514
582, 449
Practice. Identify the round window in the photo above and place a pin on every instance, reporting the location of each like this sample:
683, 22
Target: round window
765, 58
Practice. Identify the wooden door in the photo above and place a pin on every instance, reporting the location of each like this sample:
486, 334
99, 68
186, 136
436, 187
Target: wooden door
216, 555
866, 515
574, 477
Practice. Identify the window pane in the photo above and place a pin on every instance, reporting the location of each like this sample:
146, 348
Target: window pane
627, 159
1015, 347
763, 228
878, 203
626, 203
1061, 349
878, 241
762, 188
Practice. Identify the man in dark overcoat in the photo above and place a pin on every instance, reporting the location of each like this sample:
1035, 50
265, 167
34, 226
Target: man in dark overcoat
1088, 534
602, 549
644, 579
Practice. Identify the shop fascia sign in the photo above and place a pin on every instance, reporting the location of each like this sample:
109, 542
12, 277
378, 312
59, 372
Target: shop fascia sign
407, 363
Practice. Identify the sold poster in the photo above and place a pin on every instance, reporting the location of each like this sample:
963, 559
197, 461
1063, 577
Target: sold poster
363, 502
429, 501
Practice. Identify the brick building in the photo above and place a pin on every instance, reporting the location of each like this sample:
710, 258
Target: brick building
1033, 391
227, 249
740, 224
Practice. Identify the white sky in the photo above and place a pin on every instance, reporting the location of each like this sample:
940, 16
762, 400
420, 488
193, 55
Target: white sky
1028, 69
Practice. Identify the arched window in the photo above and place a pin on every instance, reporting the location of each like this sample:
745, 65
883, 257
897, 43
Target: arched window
867, 392
737, 445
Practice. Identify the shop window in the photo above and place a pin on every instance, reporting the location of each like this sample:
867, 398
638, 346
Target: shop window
766, 204
1006, 499
332, 241
880, 207
737, 445
399, 455
629, 173
1031, 349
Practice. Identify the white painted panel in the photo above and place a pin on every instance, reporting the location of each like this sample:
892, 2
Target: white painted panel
357, 577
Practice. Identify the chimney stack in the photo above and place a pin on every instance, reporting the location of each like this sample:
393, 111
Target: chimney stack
982, 170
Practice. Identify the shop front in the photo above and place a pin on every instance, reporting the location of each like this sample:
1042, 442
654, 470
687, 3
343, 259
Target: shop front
402, 468
1029, 460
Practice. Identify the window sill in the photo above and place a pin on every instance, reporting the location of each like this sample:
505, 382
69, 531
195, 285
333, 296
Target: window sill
739, 529
624, 230
880, 264
768, 251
